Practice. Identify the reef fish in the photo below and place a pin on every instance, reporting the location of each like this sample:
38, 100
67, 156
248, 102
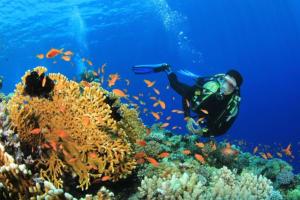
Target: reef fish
54, 52
155, 115
119, 93
164, 155
112, 79
200, 158
35, 131
153, 161
149, 83
40, 56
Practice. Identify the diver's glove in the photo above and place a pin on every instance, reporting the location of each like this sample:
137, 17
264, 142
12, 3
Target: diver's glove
193, 127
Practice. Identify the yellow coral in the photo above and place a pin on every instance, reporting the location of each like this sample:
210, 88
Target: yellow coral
79, 129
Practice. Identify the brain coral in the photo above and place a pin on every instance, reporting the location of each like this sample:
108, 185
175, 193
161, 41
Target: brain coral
78, 128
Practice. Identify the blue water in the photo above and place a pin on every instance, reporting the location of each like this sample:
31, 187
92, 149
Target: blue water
259, 38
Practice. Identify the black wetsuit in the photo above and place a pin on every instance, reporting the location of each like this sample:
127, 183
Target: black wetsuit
215, 120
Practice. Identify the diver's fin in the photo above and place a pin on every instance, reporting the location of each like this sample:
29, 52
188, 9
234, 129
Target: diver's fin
146, 69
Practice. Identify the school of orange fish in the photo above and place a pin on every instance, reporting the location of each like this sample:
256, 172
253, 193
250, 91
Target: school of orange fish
138, 100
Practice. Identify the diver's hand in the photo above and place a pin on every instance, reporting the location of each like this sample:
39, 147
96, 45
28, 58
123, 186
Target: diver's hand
193, 127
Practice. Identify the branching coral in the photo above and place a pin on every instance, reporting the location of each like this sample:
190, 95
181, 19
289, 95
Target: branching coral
79, 128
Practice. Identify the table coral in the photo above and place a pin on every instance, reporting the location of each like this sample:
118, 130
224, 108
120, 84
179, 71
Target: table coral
80, 128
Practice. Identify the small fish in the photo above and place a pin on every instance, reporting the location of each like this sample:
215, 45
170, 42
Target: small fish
174, 127
152, 161
140, 155
53, 52
279, 154
148, 131
186, 152
177, 111
86, 120
66, 58
164, 155
136, 97
103, 68
40, 56
269, 155
200, 144
155, 104
204, 111
44, 81
119, 93
255, 150
168, 118
68, 53
35, 131
162, 104
142, 143
213, 147
93, 155
105, 178
155, 115
168, 87
264, 156
95, 73
72, 160
164, 125
127, 82
153, 98
112, 79
89, 62
200, 119
200, 158
156, 91
140, 161
187, 103
85, 83
288, 150
149, 83
61, 134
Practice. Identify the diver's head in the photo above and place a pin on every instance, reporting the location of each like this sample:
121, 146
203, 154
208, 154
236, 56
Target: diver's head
232, 81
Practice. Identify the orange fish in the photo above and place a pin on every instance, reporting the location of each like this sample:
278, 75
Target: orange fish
149, 83
105, 178
204, 111
153, 98
95, 73
200, 119
200, 158
269, 155
85, 83
44, 81
140, 161
200, 144
89, 62
35, 131
177, 111
40, 56
255, 149
156, 91
155, 104
136, 97
152, 161
186, 152
288, 150
62, 134
53, 144
72, 160
140, 155
68, 53
142, 143
66, 58
164, 125
112, 79
119, 93
93, 155
164, 155
86, 120
53, 52
264, 156
162, 104
45, 146
155, 115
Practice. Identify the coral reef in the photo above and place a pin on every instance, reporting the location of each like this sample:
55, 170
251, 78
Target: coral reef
223, 184
77, 129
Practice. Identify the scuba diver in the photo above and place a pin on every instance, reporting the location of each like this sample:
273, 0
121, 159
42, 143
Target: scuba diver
215, 100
